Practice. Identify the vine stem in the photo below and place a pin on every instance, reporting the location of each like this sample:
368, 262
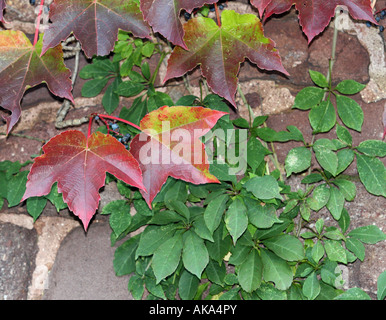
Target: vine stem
103, 117
38, 22
217, 15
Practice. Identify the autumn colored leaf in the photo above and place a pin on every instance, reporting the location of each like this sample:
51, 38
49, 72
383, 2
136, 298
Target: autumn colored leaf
169, 145
95, 23
315, 15
220, 51
21, 67
79, 165
164, 16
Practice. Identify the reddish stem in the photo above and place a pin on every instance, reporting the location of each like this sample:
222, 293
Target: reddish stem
217, 15
38, 22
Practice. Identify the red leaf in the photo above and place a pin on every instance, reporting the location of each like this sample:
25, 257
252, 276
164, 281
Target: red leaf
186, 159
164, 16
21, 67
221, 50
79, 166
95, 23
315, 15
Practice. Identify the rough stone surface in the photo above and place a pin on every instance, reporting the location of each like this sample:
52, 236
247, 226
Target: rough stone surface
18, 247
83, 269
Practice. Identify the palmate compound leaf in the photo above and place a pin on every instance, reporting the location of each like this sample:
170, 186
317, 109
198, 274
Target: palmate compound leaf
221, 50
79, 165
21, 67
169, 145
315, 15
94, 23
156, 12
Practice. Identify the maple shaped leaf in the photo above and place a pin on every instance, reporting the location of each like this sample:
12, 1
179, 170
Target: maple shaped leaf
94, 23
21, 67
169, 145
79, 165
164, 16
221, 50
315, 15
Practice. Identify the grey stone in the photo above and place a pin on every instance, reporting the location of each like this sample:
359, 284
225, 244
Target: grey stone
83, 269
18, 248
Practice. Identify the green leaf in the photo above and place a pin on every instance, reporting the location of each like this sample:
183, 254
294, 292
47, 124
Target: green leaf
265, 187
322, 117
220, 246
93, 87
256, 153
317, 251
311, 286
372, 174
312, 178
152, 237
308, 97
16, 188
136, 112
350, 87
145, 69
343, 134
261, 216
236, 219
286, 247
297, 160
215, 272
154, 289
350, 112
179, 207
188, 285
194, 255
318, 78
345, 158
368, 234
373, 148
323, 149
353, 294
214, 212
148, 49
124, 257
320, 197
120, 217
381, 286
335, 251
56, 198
356, 247
221, 171
167, 257
35, 206
136, 287
250, 272
110, 100
241, 123
129, 88
347, 188
276, 270
335, 203
268, 292
201, 229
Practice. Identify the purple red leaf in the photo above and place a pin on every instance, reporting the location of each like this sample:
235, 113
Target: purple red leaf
79, 165
94, 23
22, 67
